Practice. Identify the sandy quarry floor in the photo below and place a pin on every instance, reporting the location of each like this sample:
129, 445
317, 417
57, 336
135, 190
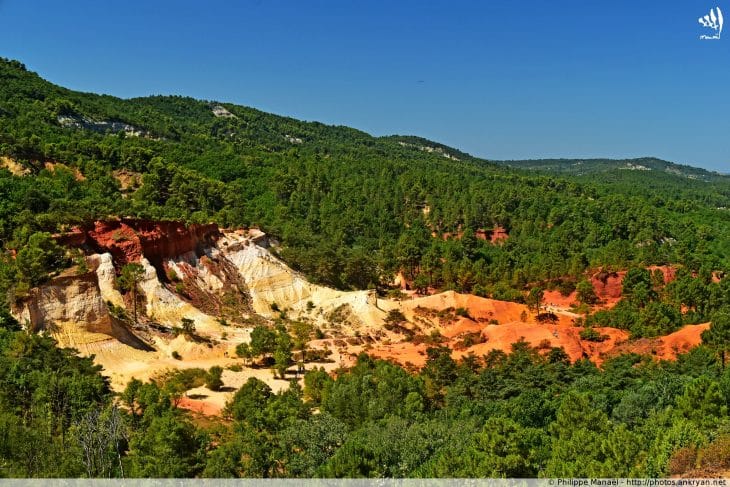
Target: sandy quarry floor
122, 363
211, 403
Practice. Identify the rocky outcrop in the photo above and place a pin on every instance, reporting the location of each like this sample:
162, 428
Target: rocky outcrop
271, 282
72, 308
106, 277
102, 126
607, 285
167, 307
66, 299
15, 168
128, 239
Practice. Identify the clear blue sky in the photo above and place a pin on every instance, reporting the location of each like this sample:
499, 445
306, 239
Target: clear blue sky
498, 79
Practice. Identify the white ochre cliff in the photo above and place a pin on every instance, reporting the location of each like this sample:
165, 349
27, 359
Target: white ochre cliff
66, 299
79, 309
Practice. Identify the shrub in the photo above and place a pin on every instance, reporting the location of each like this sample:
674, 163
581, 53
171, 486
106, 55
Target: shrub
683, 460
470, 339
213, 380
396, 294
244, 351
716, 455
463, 312
592, 335
188, 326
79, 260
395, 317
586, 293
176, 355
172, 275
566, 287
118, 236
547, 318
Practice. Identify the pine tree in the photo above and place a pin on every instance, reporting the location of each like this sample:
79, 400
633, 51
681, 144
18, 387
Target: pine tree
129, 279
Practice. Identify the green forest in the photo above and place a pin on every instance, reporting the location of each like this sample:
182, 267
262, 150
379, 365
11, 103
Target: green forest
519, 415
350, 211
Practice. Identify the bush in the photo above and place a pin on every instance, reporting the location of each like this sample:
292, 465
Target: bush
243, 350
79, 260
188, 326
547, 318
118, 236
186, 378
172, 275
470, 339
716, 455
463, 312
592, 335
395, 317
683, 460
566, 287
176, 355
213, 381
396, 294
586, 293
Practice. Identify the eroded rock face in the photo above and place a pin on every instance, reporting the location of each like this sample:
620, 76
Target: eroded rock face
106, 277
165, 306
66, 299
607, 285
128, 239
227, 281
203, 273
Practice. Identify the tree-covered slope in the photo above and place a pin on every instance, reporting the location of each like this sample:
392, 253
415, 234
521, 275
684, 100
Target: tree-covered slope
581, 167
349, 208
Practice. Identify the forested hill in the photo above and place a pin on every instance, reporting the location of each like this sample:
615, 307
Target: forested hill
350, 209
582, 167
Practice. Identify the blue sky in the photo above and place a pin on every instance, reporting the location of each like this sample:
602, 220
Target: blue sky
498, 79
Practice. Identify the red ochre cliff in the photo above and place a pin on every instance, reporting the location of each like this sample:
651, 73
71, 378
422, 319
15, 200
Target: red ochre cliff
128, 239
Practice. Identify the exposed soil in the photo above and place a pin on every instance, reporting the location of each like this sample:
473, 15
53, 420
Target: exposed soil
512, 328
128, 239
203, 273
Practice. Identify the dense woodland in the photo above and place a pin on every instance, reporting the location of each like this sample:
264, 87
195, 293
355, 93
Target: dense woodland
350, 211
519, 415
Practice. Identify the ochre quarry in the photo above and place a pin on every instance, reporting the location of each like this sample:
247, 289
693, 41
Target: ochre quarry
228, 281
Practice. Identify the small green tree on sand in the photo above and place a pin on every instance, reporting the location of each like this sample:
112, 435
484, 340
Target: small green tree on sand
128, 281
